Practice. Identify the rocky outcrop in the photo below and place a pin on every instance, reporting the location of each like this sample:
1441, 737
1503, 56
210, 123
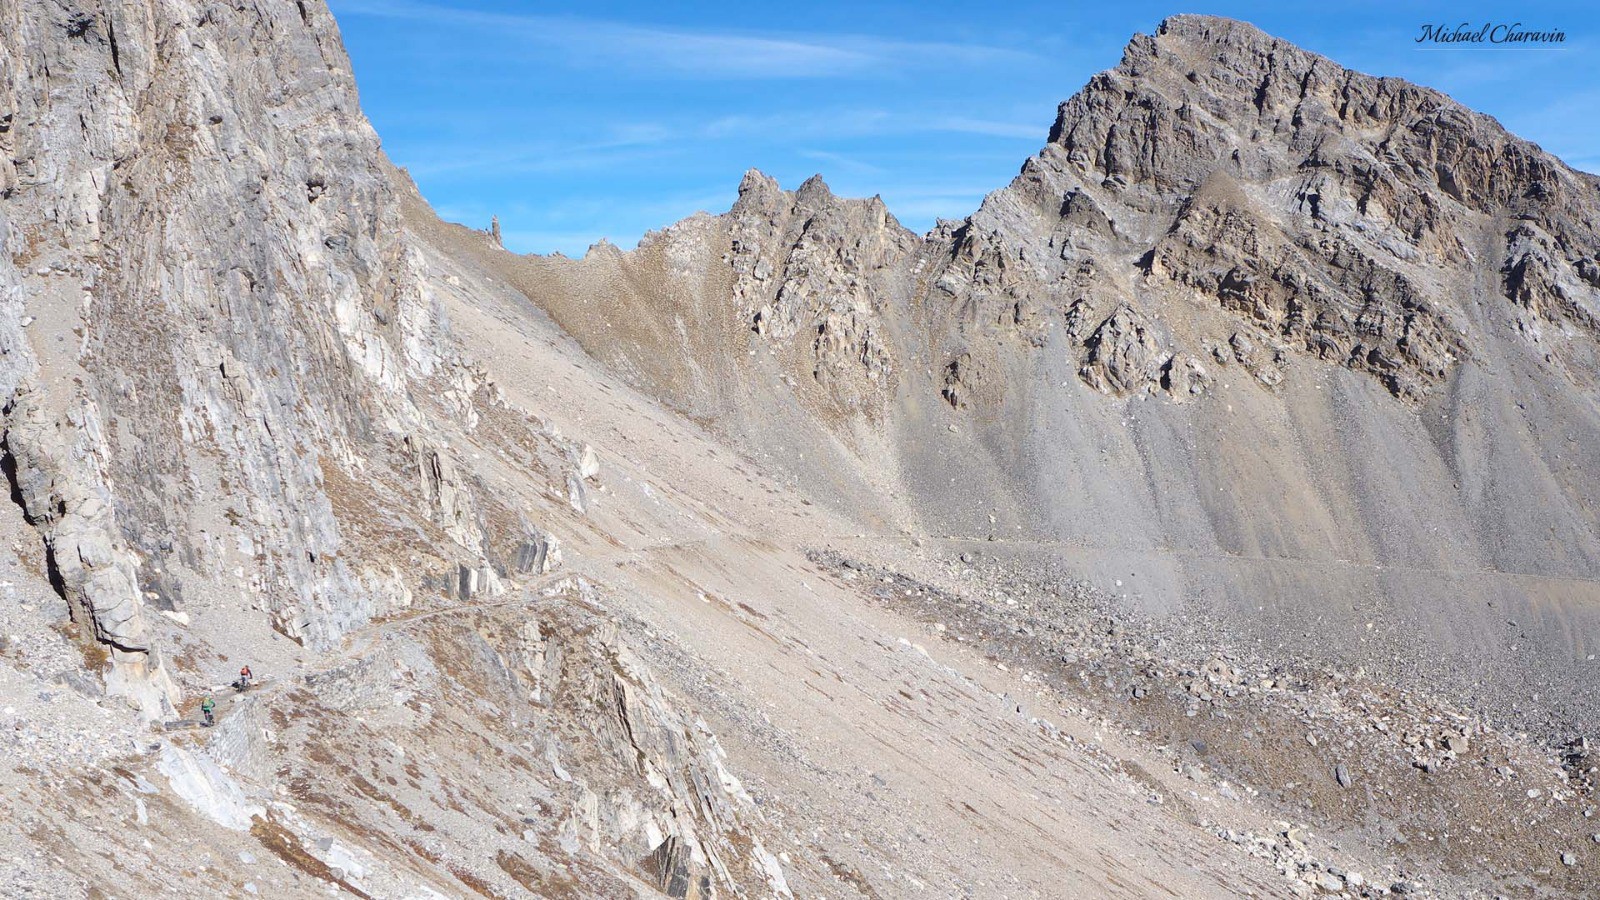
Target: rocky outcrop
1126, 353
812, 275
236, 388
201, 783
537, 751
64, 495
1327, 206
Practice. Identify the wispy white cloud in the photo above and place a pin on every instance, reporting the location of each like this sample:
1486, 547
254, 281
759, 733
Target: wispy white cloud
841, 162
837, 124
964, 125
596, 43
641, 141
545, 157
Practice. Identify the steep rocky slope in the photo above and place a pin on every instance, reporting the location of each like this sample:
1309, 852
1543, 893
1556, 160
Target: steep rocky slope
233, 409
171, 188
791, 553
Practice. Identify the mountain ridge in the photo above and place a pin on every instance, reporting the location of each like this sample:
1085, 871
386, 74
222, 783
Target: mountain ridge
1246, 257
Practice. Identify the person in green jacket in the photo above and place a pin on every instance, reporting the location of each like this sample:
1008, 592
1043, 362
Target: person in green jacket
208, 708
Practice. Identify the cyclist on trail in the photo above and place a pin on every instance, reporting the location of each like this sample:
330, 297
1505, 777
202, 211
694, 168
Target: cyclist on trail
245, 678
208, 708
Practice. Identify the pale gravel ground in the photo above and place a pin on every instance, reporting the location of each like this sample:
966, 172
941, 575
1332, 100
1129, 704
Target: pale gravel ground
836, 722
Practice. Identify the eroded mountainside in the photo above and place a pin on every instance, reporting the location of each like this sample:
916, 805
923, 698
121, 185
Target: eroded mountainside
791, 553
1281, 339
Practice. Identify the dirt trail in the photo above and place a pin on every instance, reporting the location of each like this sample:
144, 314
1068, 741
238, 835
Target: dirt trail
358, 646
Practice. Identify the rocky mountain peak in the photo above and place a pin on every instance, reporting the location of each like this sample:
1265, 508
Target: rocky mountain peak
1197, 37
1324, 205
761, 194
814, 191
759, 189
1228, 91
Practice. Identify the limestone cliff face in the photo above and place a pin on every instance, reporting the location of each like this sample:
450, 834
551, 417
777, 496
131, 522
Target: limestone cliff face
230, 347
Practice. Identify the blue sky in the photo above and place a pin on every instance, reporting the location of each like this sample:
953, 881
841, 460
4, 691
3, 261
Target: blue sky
579, 121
